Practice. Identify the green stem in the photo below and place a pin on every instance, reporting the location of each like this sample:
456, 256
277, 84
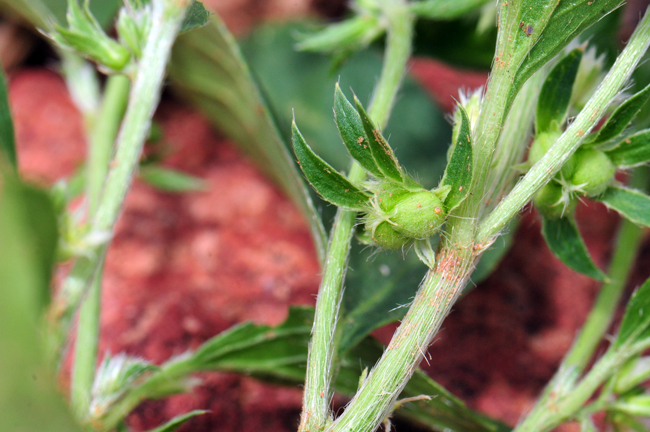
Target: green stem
143, 100
568, 143
600, 317
316, 412
561, 387
102, 139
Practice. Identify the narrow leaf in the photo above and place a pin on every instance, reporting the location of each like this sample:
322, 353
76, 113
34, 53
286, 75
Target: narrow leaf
7, 143
622, 117
631, 151
178, 421
196, 17
458, 173
169, 180
445, 9
328, 182
564, 240
381, 151
350, 35
555, 95
635, 326
549, 35
207, 68
632, 204
352, 132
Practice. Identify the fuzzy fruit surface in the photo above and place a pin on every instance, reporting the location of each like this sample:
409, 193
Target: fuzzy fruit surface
386, 237
594, 172
541, 145
416, 215
548, 202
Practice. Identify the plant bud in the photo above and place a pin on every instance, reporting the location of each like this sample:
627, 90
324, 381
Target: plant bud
418, 214
548, 201
593, 173
385, 236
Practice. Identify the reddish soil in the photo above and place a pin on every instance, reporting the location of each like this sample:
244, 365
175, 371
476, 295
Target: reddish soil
183, 268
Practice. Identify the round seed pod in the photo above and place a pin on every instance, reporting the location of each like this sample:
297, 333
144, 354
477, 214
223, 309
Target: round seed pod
542, 144
418, 214
548, 201
386, 237
594, 171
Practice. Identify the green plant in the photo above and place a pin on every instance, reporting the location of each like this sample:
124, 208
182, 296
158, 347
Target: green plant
535, 80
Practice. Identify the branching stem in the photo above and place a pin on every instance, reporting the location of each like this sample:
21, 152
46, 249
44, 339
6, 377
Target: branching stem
316, 414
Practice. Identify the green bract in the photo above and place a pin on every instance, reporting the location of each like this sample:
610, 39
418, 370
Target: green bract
549, 203
385, 236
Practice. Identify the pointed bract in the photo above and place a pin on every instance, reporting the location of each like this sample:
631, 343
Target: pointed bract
328, 182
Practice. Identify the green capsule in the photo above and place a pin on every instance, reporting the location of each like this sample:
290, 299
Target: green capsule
385, 236
542, 143
593, 173
418, 215
548, 201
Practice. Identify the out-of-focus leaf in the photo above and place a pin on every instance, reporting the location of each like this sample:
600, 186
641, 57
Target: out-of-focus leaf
196, 17
564, 240
280, 354
458, 173
632, 150
170, 180
632, 204
445, 9
178, 421
635, 326
621, 118
28, 395
7, 144
208, 70
42, 13
352, 132
555, 95
350, 35
328, 182
456, 42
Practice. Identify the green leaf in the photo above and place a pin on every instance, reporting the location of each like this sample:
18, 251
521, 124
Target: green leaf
196, 17
445, 9
353, 34
207, 69
169, 180
631, 151
635, 326
328, 182
7, 143
178, 421
458, 173
278, 352
555, 95
621, 118
564, 240
352, 132
28, 394
381, 151
554, 24
632, 204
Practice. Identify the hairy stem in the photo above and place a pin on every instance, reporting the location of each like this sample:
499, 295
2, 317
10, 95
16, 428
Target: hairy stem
167, 18
102, 138
568, 143
316, 398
